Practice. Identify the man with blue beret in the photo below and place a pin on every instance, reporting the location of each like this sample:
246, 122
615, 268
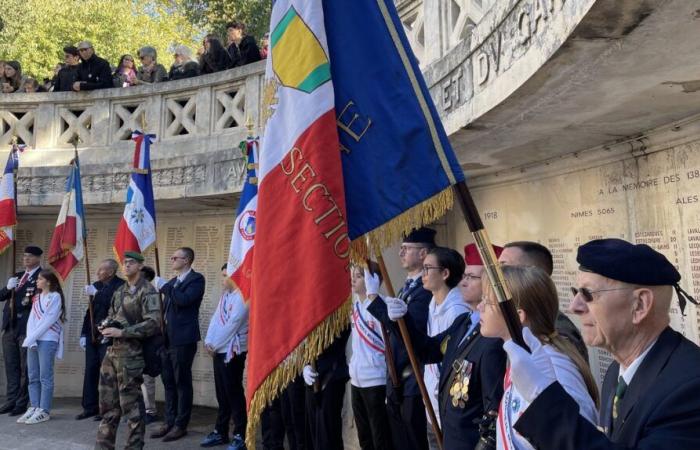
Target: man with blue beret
650, 393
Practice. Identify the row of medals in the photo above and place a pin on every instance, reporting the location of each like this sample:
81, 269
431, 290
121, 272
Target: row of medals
460, 386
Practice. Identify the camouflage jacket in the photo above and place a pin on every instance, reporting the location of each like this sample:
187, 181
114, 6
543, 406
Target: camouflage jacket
141, 305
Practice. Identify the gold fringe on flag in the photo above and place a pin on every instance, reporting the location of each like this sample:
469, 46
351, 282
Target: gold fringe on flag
424, 213
308, 350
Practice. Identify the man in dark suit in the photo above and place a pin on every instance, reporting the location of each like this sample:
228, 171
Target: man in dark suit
527, 253
650, 393
101, 292
183, 296
20, 288
404, 403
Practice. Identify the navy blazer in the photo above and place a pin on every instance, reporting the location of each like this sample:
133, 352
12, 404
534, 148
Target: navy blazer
332, 363
660, 408
460, 432
21, 311
181, 304
418, 299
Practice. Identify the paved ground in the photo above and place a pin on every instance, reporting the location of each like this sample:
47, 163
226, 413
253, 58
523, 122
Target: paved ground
63, 432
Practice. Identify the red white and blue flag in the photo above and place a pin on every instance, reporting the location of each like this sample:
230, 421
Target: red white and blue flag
67, 246
137, 229
240, 257
8, 198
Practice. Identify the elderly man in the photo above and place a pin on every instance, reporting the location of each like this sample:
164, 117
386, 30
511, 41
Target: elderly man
150, 71
526, 253
100, 293
650, 393
93, 72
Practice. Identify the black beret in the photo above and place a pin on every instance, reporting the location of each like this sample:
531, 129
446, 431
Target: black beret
33, 250
421, 235
623, 261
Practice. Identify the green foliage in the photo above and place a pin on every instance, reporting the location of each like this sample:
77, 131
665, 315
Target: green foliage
34, 32
214, 14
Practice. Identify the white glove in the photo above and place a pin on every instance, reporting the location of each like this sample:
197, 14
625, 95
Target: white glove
90, 290
83, 342
310, 375
12, 283
531, 373
395, 308
159, 282
371, 283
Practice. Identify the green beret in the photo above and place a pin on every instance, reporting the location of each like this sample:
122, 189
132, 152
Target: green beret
134, 255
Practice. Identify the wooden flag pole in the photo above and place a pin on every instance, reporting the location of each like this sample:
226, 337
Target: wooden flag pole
91, 298
14, 237
415, 364
491, 265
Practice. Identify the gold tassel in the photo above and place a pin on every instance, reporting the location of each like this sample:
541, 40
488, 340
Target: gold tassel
424, 213
308, 350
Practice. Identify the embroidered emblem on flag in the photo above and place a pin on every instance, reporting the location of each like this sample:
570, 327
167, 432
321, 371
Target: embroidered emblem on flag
298, 59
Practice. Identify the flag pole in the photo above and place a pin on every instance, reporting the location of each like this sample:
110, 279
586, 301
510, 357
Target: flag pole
91, 298
14, 233
415, 364
491, 265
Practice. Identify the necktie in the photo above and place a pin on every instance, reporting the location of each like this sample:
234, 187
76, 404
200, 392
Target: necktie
23, 280
619, 393
405, 288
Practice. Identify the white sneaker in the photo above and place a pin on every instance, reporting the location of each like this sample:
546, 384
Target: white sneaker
39, 416
27, 415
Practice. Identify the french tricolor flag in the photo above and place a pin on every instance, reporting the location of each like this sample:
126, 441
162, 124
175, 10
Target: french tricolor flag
8, 197
137, 229
67, 244
240, 258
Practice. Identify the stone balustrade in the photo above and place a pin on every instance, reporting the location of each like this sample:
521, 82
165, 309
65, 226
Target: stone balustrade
198, 123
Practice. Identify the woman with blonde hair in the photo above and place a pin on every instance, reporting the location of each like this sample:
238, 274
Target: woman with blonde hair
537, 303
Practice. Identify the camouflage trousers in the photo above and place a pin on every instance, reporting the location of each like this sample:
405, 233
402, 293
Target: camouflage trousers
120, 395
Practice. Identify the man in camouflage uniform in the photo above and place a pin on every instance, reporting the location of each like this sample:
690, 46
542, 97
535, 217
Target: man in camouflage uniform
135, 305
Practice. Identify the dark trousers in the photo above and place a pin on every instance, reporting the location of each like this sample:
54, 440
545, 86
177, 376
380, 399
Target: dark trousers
15, 368
94, 354
286, 414
408, 423
323, 410
176, 374
228, 382
368, 407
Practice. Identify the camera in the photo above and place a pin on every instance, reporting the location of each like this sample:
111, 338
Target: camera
109, 323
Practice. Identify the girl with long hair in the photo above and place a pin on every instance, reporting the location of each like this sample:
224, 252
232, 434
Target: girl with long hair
44, 343
537, 303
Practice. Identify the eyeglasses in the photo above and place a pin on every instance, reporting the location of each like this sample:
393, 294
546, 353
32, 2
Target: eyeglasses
588, 294
405, 248
142, 57
83, 49
470, 277
428, 268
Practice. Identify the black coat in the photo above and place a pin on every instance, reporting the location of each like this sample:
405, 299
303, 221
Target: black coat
188, 70
63, 82
100, 303
214, 61
660, 408
488, 359
244, 53
418, 300
332, 363
181, 305
94, 73
21, 311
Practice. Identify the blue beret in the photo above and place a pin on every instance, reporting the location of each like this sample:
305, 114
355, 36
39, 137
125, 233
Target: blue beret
421, 235
33, 250
623, 261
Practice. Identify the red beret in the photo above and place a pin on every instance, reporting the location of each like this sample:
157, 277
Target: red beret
471, 254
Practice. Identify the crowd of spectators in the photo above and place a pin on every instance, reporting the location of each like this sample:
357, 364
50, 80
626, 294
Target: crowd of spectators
83, 70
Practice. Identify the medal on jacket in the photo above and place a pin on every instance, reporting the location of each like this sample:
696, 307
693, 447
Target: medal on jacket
28, 296
459, 391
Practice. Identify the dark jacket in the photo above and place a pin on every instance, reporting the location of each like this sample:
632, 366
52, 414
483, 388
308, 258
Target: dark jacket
188, 70
181, 305
214, 62
27, 290
460, 432
100, 304
332, 363
244, 53
94, 73
157, 75
660, 408
418, 300
63, 82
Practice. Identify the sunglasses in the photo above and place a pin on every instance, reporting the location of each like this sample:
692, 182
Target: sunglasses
588, 294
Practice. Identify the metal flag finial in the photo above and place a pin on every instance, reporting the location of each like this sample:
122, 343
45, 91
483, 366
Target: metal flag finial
250, 126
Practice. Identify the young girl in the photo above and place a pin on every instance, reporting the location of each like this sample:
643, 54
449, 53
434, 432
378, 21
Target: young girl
536, 300
44, 342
